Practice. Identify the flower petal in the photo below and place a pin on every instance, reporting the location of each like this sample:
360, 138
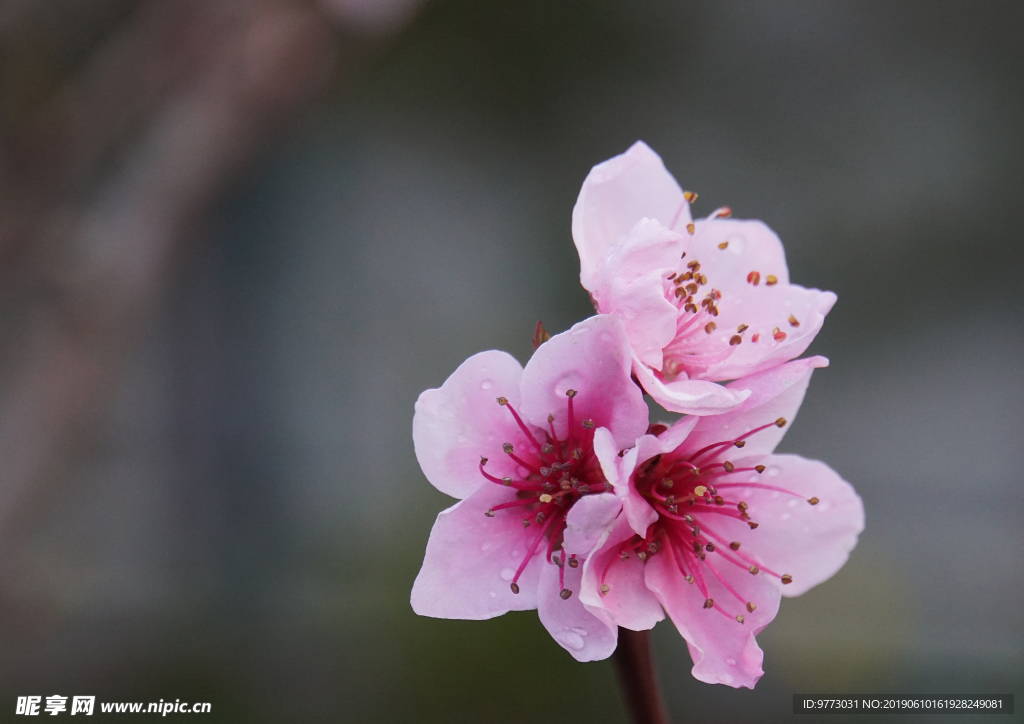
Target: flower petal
631, 283
592, 358
797, 313
723, 650
627, 600
587, 636
615, 195
690, 397
750, 247
809, 542
617, 471
772, 303
776, 393
461, 421
587, 521
471, 560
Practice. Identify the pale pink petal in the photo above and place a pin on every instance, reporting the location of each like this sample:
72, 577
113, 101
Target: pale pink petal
587, 521
723, 650
779, 320
632, 283
615, 195
627, 601
690, 397
783, 319
587, 636
750, 246
461, 421
592, 358
808, 542
617, 471
471, 560
774, 394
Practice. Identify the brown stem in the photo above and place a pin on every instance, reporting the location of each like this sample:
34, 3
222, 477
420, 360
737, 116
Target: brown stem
635, 667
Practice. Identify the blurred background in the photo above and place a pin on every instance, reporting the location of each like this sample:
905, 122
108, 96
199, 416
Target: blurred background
237, 239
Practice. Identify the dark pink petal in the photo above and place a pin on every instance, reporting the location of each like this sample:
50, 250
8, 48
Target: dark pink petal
809, 542
472, 558
615, 196
637, 510
461, 421
587, 636
774, 394
627, 601
593, 359
632, 281
723, 650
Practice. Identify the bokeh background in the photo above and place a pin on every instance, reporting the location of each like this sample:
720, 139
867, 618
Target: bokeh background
237, 239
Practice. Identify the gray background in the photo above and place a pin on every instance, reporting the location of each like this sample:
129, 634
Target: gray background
247, 523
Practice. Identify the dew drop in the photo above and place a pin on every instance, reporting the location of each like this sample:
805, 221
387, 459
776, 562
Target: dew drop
492, 594
773, 471
793, 503
725, 678
731, 662
572, 640
486, 385
517, 553
785, 516
581, 631
507, 574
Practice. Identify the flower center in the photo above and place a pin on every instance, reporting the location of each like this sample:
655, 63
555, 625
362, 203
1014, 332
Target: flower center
552, 474
693, 349
688, 493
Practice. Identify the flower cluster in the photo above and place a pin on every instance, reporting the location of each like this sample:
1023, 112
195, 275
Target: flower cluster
572, 503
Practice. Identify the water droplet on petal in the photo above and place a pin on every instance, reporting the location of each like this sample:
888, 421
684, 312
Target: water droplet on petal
486, 385
773, 471
580, 631
507, 574
786, 516
492, 594
793, 503
517, 553
725, 678
572, 640
731, 662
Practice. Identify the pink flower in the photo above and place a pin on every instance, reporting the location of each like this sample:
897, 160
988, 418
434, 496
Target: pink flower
704, 301
526, 451
716, 528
